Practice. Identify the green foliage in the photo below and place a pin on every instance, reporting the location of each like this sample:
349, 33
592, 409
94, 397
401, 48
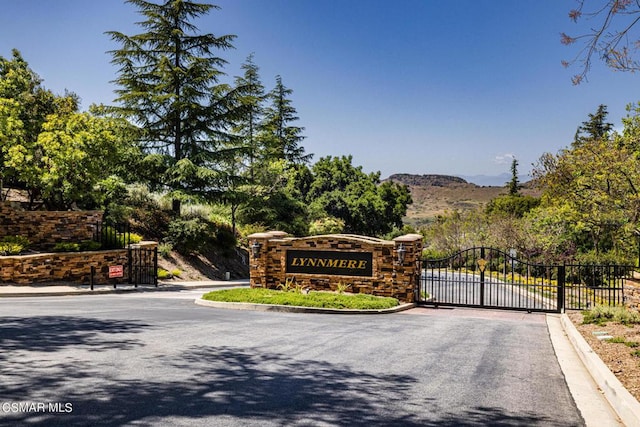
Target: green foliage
50, 149
275, 205
176, 272
168, 81
342, 287
193, 234
13, 245
434, 254
602, 314
189, 234
113, 238
514, 184
594, 184
66, 247
18, 240
514, 205
338, 189
313, 299
326, 225
89, 245
163, 274
164, 250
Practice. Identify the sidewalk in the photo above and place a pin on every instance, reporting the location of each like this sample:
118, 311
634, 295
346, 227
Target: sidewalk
70, 289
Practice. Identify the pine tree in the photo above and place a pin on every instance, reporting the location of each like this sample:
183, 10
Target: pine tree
168, 85
282, 140
596, 128
251, 98
514, 184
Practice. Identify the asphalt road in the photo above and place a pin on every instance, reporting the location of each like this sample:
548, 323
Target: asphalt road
158, 359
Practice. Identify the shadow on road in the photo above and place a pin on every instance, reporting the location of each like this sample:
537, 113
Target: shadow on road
237, 386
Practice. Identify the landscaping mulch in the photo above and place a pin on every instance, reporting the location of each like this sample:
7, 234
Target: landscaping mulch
617, 356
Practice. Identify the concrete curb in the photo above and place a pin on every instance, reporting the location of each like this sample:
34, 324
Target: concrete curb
625, 405
295, 309
55, 291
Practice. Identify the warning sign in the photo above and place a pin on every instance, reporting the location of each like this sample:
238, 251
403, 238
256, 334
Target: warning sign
116, 271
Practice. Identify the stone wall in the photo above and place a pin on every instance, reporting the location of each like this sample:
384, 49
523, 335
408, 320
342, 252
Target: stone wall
632, 294
65, 267
390, 278
46, 228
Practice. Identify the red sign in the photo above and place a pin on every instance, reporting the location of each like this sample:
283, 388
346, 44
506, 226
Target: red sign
116, 271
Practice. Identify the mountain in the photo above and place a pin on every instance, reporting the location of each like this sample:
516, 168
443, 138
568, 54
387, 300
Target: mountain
435, 195
494, 180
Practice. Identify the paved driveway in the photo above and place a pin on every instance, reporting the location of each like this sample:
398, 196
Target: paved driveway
158, 359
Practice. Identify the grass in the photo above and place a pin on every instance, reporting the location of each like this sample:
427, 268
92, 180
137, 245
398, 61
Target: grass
312, 299
601, 314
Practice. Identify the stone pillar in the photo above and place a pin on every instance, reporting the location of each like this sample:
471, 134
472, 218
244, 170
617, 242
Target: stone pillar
407, 271
259, 246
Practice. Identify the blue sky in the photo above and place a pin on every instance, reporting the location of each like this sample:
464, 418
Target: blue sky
409, 86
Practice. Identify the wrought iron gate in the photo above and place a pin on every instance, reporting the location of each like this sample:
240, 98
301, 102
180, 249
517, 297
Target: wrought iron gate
486, 277
143, 266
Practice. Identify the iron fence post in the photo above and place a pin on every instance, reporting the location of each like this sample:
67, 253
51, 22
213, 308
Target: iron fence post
561, 288
155, 266
482, 278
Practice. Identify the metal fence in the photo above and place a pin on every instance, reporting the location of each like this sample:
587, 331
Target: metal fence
112, 236
487, 277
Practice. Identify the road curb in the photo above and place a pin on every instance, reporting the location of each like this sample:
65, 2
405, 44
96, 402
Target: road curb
296, 309
625, 405
162, 287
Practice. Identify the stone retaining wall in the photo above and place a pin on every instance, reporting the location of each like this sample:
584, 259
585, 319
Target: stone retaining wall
390, 278
46, 228
632, 294
65, 267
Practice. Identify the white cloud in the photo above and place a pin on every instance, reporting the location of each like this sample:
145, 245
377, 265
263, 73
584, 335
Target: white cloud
504, 159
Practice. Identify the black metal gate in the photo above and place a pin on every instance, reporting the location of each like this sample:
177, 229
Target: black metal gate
491, 278
143, 266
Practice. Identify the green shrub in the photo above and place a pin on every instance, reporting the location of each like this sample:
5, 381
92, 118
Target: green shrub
176, 272
601, 314
326, 225
189, 234
7, 248
66, 247
90, 245
13, 245
163, 274
164, 249
18, 240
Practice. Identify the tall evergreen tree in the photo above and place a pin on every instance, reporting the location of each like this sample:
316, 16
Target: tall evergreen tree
251, 97
282, 139
168, 84
596, 128
514, 184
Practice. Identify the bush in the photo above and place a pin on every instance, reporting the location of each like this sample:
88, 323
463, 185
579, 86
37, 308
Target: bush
13, 245
163, 274
66, 247
327, 225
194, 233
601, 314
189, 234
90, 245
164, 249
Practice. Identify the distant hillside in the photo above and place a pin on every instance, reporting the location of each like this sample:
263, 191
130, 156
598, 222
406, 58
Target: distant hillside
436, 194
427, 180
